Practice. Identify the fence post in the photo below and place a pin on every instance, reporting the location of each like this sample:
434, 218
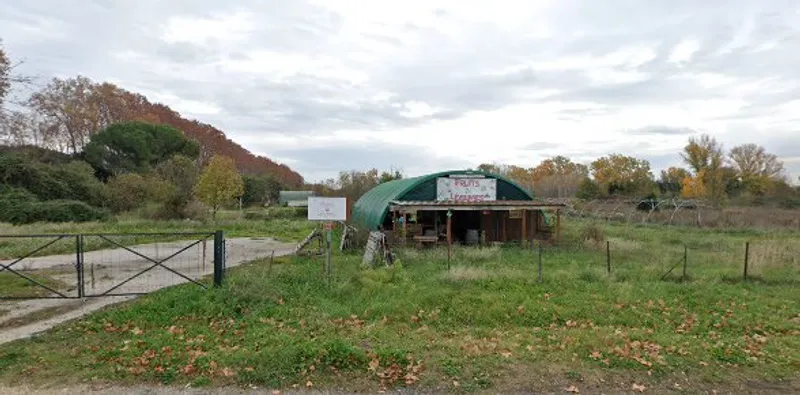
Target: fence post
685, 261
608, 257
746, 258
219, 257
540, 262
79, 265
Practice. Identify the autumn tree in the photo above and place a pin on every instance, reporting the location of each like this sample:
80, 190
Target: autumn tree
5, 74
692, 187
756, 168
671, 180
705, 157
219, 183
621, 174
69, 110
558, 177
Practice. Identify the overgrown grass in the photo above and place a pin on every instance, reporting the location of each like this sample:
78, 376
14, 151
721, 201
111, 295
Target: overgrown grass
484, 324
14, 286
283, 229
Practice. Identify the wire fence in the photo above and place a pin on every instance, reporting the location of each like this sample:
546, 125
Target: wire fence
683, 212
93, 265
764, 261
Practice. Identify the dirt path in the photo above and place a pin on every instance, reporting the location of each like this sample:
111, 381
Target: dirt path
107, 269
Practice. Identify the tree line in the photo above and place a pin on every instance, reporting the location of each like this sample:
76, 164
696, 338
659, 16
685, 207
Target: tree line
126, 167
745, 174
65, 113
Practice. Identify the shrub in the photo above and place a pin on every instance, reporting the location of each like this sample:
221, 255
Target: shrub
593, 234
22, 207
68, 181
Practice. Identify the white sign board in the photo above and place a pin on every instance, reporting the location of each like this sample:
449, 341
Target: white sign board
327, 208
466, 189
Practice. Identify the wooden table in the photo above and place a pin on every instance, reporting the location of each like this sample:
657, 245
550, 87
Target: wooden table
422, 240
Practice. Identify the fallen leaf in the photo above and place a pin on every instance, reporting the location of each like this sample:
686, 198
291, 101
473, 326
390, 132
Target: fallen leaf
703, 363
309, 384
596, 355
136, 331
456, 384
639, 387
572, 389
276, 392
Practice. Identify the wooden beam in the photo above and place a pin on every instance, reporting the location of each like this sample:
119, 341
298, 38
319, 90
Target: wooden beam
476, 207
405, 227
449, 230
504, 216
524, 236
558, 225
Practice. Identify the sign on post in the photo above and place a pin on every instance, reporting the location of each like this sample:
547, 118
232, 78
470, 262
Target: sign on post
466, 189
327, 209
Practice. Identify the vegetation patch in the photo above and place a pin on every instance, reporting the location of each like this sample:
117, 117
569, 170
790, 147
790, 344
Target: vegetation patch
418, 324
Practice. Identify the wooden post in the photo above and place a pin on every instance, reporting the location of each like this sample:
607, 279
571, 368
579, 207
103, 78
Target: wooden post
524, 236
746, 258
558, 225
504, 217
394, 222
405, 226
685, 261
449, 237
449, 230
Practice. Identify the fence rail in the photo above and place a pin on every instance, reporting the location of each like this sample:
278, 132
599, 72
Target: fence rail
766, 261
83, 265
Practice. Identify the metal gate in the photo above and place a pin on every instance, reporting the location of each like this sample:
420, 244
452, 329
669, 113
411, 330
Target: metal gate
77, 266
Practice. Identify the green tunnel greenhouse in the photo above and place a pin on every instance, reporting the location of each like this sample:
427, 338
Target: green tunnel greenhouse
463, 206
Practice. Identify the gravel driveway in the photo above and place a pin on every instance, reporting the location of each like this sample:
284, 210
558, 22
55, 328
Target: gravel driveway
106, 269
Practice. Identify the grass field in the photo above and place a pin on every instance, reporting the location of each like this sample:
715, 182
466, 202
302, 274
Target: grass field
279, 227
486, 323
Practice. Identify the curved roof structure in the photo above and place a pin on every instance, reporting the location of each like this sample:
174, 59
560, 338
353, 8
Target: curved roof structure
371, 209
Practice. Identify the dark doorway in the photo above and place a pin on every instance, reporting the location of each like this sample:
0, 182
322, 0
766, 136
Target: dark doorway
466, 226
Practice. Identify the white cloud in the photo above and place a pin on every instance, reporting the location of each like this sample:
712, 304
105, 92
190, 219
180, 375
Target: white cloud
453, 82
229, 26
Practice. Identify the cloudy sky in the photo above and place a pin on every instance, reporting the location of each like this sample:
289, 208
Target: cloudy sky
430, 85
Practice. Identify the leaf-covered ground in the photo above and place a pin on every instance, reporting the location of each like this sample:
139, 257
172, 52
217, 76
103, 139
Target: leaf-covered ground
485, 324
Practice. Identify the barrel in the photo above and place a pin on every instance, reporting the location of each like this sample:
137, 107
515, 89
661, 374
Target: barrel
473, 236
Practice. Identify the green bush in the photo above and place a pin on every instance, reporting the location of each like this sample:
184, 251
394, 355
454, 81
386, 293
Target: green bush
68, 181
22, 207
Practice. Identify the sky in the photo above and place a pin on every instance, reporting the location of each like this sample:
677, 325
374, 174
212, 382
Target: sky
424, 86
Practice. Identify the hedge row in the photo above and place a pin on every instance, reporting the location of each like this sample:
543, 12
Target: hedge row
20, 206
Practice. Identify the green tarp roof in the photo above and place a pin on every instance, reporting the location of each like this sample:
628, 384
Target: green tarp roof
371, 209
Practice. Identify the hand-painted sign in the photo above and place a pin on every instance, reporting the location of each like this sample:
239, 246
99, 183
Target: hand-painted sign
466, 189
327, 208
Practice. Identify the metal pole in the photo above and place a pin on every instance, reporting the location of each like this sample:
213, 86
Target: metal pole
79, 264
271, 258
219, 257
746, 258
608, 257
685, 261
328, 254
540, 262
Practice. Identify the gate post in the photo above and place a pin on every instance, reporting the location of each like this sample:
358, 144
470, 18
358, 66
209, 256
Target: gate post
79, 265
219, 257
